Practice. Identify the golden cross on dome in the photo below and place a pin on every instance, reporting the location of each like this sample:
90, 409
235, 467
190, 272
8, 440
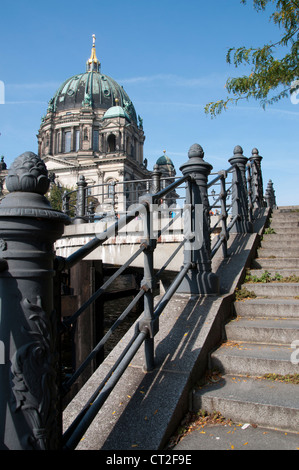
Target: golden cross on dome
93, 64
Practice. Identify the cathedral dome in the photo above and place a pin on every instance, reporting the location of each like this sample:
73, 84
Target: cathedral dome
164, 160
165, 165
91, 129
91, 89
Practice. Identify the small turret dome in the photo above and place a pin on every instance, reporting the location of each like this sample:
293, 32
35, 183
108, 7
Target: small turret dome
116, 111
164, 160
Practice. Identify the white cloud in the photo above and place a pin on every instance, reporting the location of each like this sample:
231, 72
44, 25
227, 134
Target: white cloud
26, 102
32, 86
176, 80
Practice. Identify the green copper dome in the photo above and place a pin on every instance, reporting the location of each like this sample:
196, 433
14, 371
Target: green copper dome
91, 89
164, 160
116, 111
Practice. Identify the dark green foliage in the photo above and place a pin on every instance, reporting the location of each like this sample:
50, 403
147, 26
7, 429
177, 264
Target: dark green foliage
272, 74
55, 198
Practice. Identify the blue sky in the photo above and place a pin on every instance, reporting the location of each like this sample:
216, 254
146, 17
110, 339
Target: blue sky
170, 58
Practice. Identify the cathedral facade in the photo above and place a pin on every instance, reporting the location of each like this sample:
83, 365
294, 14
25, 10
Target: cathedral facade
91, 128
91, 131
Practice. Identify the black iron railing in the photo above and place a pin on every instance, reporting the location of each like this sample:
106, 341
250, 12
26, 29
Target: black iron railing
232, 195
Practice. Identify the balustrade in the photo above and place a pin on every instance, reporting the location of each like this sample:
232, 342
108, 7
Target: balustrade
29, 327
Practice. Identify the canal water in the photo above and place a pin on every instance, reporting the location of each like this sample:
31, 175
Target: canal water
114, 308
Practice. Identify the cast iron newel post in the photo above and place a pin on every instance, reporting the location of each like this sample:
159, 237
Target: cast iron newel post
66, 202
223, 196
156, 180
270, 197
147, 284
199, 279
30, 415
249, 191
81, 201
257, 180
239, 192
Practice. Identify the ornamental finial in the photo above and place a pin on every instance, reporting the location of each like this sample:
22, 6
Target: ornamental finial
93, 64
28, 173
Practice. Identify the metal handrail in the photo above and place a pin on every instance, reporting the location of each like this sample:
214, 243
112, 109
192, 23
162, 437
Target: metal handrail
146, 326
72, 438
67, 385
40, 293
74, 433
70, 320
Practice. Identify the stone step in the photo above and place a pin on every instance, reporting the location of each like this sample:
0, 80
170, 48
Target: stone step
253, 359
284, 272
286, 215
289, 209
291, 252
283, 243
285, 222
284, 231
294, 225
260, 340
291, 215
285, 308
263, 330
294, 236
276, 263
273, 289
251, 400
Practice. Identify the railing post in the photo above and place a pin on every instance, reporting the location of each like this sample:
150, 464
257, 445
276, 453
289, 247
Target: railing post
270, 197
91, 211
156, 177
66, 202
30, 415
249, 190
112, 196
239, 192
148, 322
223, 195
81, 201
257, 180
199, 279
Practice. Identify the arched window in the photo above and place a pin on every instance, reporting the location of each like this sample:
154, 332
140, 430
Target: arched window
67, 141
77, 140
128, 146
95, 140
110, 188
58, 142
111, 143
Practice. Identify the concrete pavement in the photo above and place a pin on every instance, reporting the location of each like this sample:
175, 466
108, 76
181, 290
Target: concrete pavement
237, 437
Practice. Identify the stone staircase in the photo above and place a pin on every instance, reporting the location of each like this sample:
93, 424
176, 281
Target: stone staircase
260, 337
